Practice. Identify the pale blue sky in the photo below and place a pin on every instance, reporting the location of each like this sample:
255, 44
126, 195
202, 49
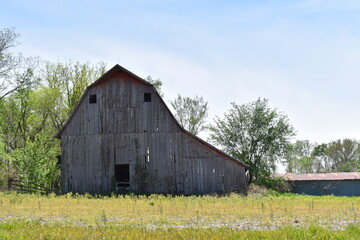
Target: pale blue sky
304, 56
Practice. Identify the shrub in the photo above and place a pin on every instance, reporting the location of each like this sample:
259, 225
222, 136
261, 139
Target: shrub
278, 184
256, 190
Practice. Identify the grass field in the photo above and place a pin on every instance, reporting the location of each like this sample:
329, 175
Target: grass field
26, 216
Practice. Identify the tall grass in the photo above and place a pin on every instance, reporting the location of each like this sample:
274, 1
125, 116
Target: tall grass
35, 230
155, 214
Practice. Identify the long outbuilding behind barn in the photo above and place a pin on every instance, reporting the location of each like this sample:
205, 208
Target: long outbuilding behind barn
337, 184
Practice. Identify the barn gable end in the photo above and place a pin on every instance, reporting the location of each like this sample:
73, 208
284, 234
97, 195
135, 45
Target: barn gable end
122, 137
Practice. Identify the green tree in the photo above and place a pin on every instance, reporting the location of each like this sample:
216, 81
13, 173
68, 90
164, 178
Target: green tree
35, 101
31, 115
301, 158
156, 83
5, 170
255, 134
336, 156
14, 115
16, 72
191, 112
8, 62
320, 159
26, 153
343, 155
62, 87
36, 163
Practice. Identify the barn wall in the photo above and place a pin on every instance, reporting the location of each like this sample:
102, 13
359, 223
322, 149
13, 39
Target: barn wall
123, 129
206, 171
329, 187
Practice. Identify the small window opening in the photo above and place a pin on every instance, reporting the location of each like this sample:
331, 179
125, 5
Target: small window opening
148, 154
147, 97
122, 176
92, 98
157, 124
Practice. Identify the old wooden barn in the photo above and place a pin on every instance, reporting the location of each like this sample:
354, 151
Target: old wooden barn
122, 137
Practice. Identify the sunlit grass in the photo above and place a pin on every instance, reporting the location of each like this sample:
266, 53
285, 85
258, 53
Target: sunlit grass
177, 215
36, 230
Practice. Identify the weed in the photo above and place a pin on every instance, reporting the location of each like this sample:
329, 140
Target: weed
141, 217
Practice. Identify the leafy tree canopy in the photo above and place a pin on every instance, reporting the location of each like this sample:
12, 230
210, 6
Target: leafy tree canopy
191, 112
16, 72
336, 156
255, 134
156, 83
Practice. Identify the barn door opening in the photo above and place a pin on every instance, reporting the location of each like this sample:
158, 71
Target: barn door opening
122, 177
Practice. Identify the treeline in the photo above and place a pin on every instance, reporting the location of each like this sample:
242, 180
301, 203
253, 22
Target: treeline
32, 114
342, 155
36, 98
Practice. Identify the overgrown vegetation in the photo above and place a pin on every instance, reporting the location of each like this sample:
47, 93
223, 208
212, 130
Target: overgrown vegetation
29, 216
144, 179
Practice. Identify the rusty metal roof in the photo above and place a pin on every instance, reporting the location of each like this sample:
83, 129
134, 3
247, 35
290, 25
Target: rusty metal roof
321, 176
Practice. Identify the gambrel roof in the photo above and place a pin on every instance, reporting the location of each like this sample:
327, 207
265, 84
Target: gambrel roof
116, 69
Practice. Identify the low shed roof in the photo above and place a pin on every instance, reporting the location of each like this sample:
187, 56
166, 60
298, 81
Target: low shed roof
321, 176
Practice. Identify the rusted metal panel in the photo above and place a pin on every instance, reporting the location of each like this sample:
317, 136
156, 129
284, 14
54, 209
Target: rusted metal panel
322, 176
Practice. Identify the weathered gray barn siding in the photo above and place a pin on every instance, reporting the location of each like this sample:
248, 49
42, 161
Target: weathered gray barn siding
120, 128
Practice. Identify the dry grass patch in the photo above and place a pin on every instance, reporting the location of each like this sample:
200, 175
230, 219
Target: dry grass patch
166, 212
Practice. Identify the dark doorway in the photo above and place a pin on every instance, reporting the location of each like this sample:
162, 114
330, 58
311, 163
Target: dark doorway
122, 177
